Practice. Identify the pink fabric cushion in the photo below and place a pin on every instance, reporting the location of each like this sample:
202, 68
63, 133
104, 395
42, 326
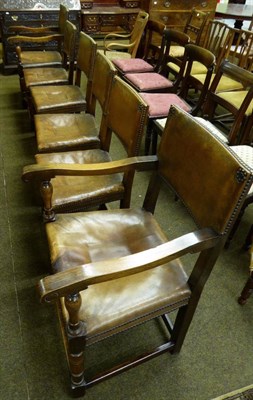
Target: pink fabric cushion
148, 81
159, 103
132, 65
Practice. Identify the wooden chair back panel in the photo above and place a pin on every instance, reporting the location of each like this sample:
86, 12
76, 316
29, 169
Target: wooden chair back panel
195, 25
137, 32
63, 17
242, 48
180, 139
104, 71
69, 42
86, 54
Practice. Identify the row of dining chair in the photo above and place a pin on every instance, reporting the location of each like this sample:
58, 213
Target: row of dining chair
114, 269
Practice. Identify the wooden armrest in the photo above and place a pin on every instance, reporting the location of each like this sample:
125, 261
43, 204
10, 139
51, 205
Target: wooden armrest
79, 278
30, 29
112, 46
35, 39
49, 171
119, 35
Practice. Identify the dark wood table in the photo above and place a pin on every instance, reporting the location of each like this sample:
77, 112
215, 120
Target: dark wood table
240, 12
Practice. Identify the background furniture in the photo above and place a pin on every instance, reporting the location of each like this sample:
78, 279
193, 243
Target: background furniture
175, 13
25, 12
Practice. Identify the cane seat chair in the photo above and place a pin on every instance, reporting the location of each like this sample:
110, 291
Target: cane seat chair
126, 119
157, 81
67, 98
80, 131
160, 103
248, 288
153, 32
194, 28
52, 75
118, 49
43, 35
123, 257
237, 104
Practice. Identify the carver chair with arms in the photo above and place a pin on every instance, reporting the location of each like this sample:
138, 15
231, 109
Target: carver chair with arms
126, 119
116, 269
67, 98
115, 49
54, 75
38, 58
79, 131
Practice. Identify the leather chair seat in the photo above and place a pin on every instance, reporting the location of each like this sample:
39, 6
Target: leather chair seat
57, 98
72, 190
59, 132
116, 54
40, 58
110, 307
45, 76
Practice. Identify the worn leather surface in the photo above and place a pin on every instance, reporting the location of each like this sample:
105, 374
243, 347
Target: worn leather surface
80, 238
45, 76
59, 132
69, 191
31, 58
55, 98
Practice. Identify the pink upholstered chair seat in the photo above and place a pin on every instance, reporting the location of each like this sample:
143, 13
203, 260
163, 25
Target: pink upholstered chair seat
132, 65
149, 82
159, 103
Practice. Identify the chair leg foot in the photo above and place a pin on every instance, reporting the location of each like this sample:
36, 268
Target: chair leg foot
78, 390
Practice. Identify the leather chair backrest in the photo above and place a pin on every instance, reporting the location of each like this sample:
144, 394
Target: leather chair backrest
192, 162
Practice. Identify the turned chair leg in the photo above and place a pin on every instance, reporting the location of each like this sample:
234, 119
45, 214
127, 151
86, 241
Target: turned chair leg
76, 342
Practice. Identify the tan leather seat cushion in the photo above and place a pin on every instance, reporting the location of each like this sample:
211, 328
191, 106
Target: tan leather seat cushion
80, 238
45, 76
69, 190
54, 98
56, 132
40, 57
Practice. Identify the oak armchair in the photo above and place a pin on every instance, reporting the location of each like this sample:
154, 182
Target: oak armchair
28, 58
115, 49
116, 269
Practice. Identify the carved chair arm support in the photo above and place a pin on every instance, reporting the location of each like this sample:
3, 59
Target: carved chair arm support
114, 46
79, 278
118, 35
49, 171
